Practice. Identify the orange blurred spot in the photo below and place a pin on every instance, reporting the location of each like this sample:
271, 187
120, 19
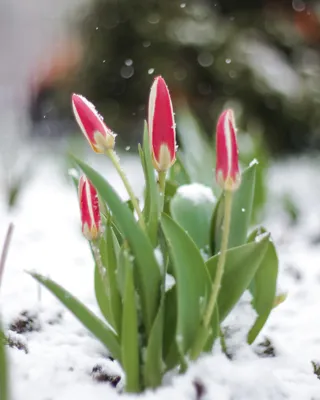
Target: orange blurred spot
57, 65
308, 24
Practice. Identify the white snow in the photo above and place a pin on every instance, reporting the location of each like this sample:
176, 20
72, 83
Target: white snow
61, 355
197, 193
254, 162
159, 257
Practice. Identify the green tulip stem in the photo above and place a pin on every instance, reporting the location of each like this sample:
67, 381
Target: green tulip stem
115, 161
204, 329
162, 187
222, 258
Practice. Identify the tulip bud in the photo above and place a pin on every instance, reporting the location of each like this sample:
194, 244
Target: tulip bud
89, 209
99, 136
227, 164
161, 124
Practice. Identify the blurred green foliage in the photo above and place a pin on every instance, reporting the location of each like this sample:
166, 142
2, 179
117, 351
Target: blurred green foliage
260, 57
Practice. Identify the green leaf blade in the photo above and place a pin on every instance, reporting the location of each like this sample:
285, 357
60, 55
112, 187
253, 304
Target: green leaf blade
113, 250
153, 368
263, 288
194, 214
192, 281
241, 265
152, 208
100, 330
129, 337
102, 296
170, 350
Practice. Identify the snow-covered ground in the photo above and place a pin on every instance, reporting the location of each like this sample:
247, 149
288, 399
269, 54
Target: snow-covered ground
61, 354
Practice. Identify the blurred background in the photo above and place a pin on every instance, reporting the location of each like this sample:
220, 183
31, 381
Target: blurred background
261, 57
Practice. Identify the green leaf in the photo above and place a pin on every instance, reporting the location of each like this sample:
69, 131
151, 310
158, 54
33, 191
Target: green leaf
241, 213
113, 250
149, 278
152, 207
178, 173
94, 324
170, 191
192, 282
106, 289
101, 285
241, 265
146, 209
153, 368
130, 205
121, 270
4, 379
263, 287
170, 350
194, 213
102, 296
129, 336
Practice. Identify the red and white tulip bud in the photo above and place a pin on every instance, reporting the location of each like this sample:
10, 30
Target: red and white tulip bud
227, 163
89, 209
162, 131
99, 136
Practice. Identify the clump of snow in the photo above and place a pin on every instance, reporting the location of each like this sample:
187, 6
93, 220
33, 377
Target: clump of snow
260, 237
205, 254
169, 282
237, 325
254, 162
159, 257
197, 193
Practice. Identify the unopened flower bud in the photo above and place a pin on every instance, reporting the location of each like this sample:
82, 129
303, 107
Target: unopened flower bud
227, 163
99, 136
161, 125
89, 209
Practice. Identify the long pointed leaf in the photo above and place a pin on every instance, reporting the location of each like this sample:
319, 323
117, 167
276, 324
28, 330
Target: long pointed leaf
152, 193
102, 296
153, 368
178, 173
101, 283
241, 265
149, 277
94, 324
113, 250
192, 282
263, 287
129, 337
194, 215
